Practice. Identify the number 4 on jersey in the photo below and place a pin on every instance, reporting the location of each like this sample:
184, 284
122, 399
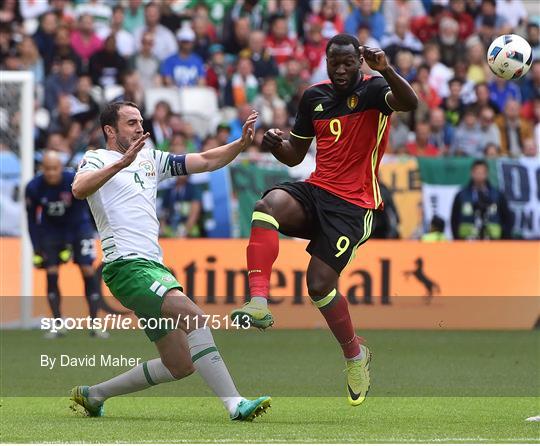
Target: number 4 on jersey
138, 180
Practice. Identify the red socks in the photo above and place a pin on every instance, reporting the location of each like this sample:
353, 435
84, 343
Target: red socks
339, 321
262, 252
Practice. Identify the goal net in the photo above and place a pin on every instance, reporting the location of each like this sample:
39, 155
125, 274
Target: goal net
16, 141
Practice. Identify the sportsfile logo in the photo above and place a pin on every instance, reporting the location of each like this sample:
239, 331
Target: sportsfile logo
117, 322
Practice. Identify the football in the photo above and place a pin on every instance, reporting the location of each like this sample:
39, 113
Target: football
509, 56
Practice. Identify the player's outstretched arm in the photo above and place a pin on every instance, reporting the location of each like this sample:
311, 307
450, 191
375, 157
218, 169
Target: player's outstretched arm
218, 157
290, 152
87, 183
402, 97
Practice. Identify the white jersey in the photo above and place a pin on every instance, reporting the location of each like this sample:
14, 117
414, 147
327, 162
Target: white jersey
124, 208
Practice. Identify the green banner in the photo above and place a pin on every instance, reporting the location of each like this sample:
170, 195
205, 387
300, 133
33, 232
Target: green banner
450, 171
250, 178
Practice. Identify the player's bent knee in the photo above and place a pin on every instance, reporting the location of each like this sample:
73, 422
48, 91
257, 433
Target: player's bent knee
262, 206
318, 289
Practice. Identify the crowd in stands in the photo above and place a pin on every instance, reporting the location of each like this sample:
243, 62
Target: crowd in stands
263, 54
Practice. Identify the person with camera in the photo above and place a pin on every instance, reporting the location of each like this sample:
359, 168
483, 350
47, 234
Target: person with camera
480, 211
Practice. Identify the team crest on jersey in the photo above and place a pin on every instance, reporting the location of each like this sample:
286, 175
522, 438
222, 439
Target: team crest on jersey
148, 168
352, 102
167, 279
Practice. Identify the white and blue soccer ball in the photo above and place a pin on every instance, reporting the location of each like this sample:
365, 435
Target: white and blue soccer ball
509, 56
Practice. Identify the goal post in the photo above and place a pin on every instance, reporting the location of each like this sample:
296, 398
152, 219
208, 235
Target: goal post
17, 93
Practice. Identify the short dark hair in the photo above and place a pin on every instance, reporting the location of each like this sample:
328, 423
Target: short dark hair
344, 39
109, 115
437, 223
479, 162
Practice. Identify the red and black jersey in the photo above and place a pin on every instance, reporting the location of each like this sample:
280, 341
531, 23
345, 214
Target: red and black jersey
352, 133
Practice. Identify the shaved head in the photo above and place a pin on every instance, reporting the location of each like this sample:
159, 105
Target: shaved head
52, 167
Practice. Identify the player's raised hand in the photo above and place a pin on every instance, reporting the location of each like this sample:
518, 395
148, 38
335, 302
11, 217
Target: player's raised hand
374, 57
133, 150
272, 139
248, 129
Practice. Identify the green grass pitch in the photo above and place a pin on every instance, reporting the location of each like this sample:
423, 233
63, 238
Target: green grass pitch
427, 386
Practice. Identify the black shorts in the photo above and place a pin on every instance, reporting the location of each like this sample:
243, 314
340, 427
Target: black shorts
339, 227
82, 246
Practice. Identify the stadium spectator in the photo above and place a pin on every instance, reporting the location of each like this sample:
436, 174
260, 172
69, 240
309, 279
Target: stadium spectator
84, 40
30, 9
253, 10
478, 70
533, 37
146, 64
530, 85
289, 82
514, 129
65, 81
267, 101
168, 16
314, 43
399, 135
236, 123
426, 27
264, 64
501, 91
100, 12
463, 18
491, 151
30, 59
63, 49
450, 46
426, 92
185, 68
436, 231
164, 41
293, 14
480, 211
158, 125
133, 89
401, 39
134, 16
243, 85
401, 9
125, 42
181, 207
365, 38
223, 133
513, 11
203, 39
278, 42
483, 98
65, 12
238, 36
10, 14
363, 14
405, 65
467, 139
488, 130
107, 65
421, 145
453, 105
217, 72
84, 109
530, 149
332, 21
439, 74
489, 23
441, 132
44, 38
61, 117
